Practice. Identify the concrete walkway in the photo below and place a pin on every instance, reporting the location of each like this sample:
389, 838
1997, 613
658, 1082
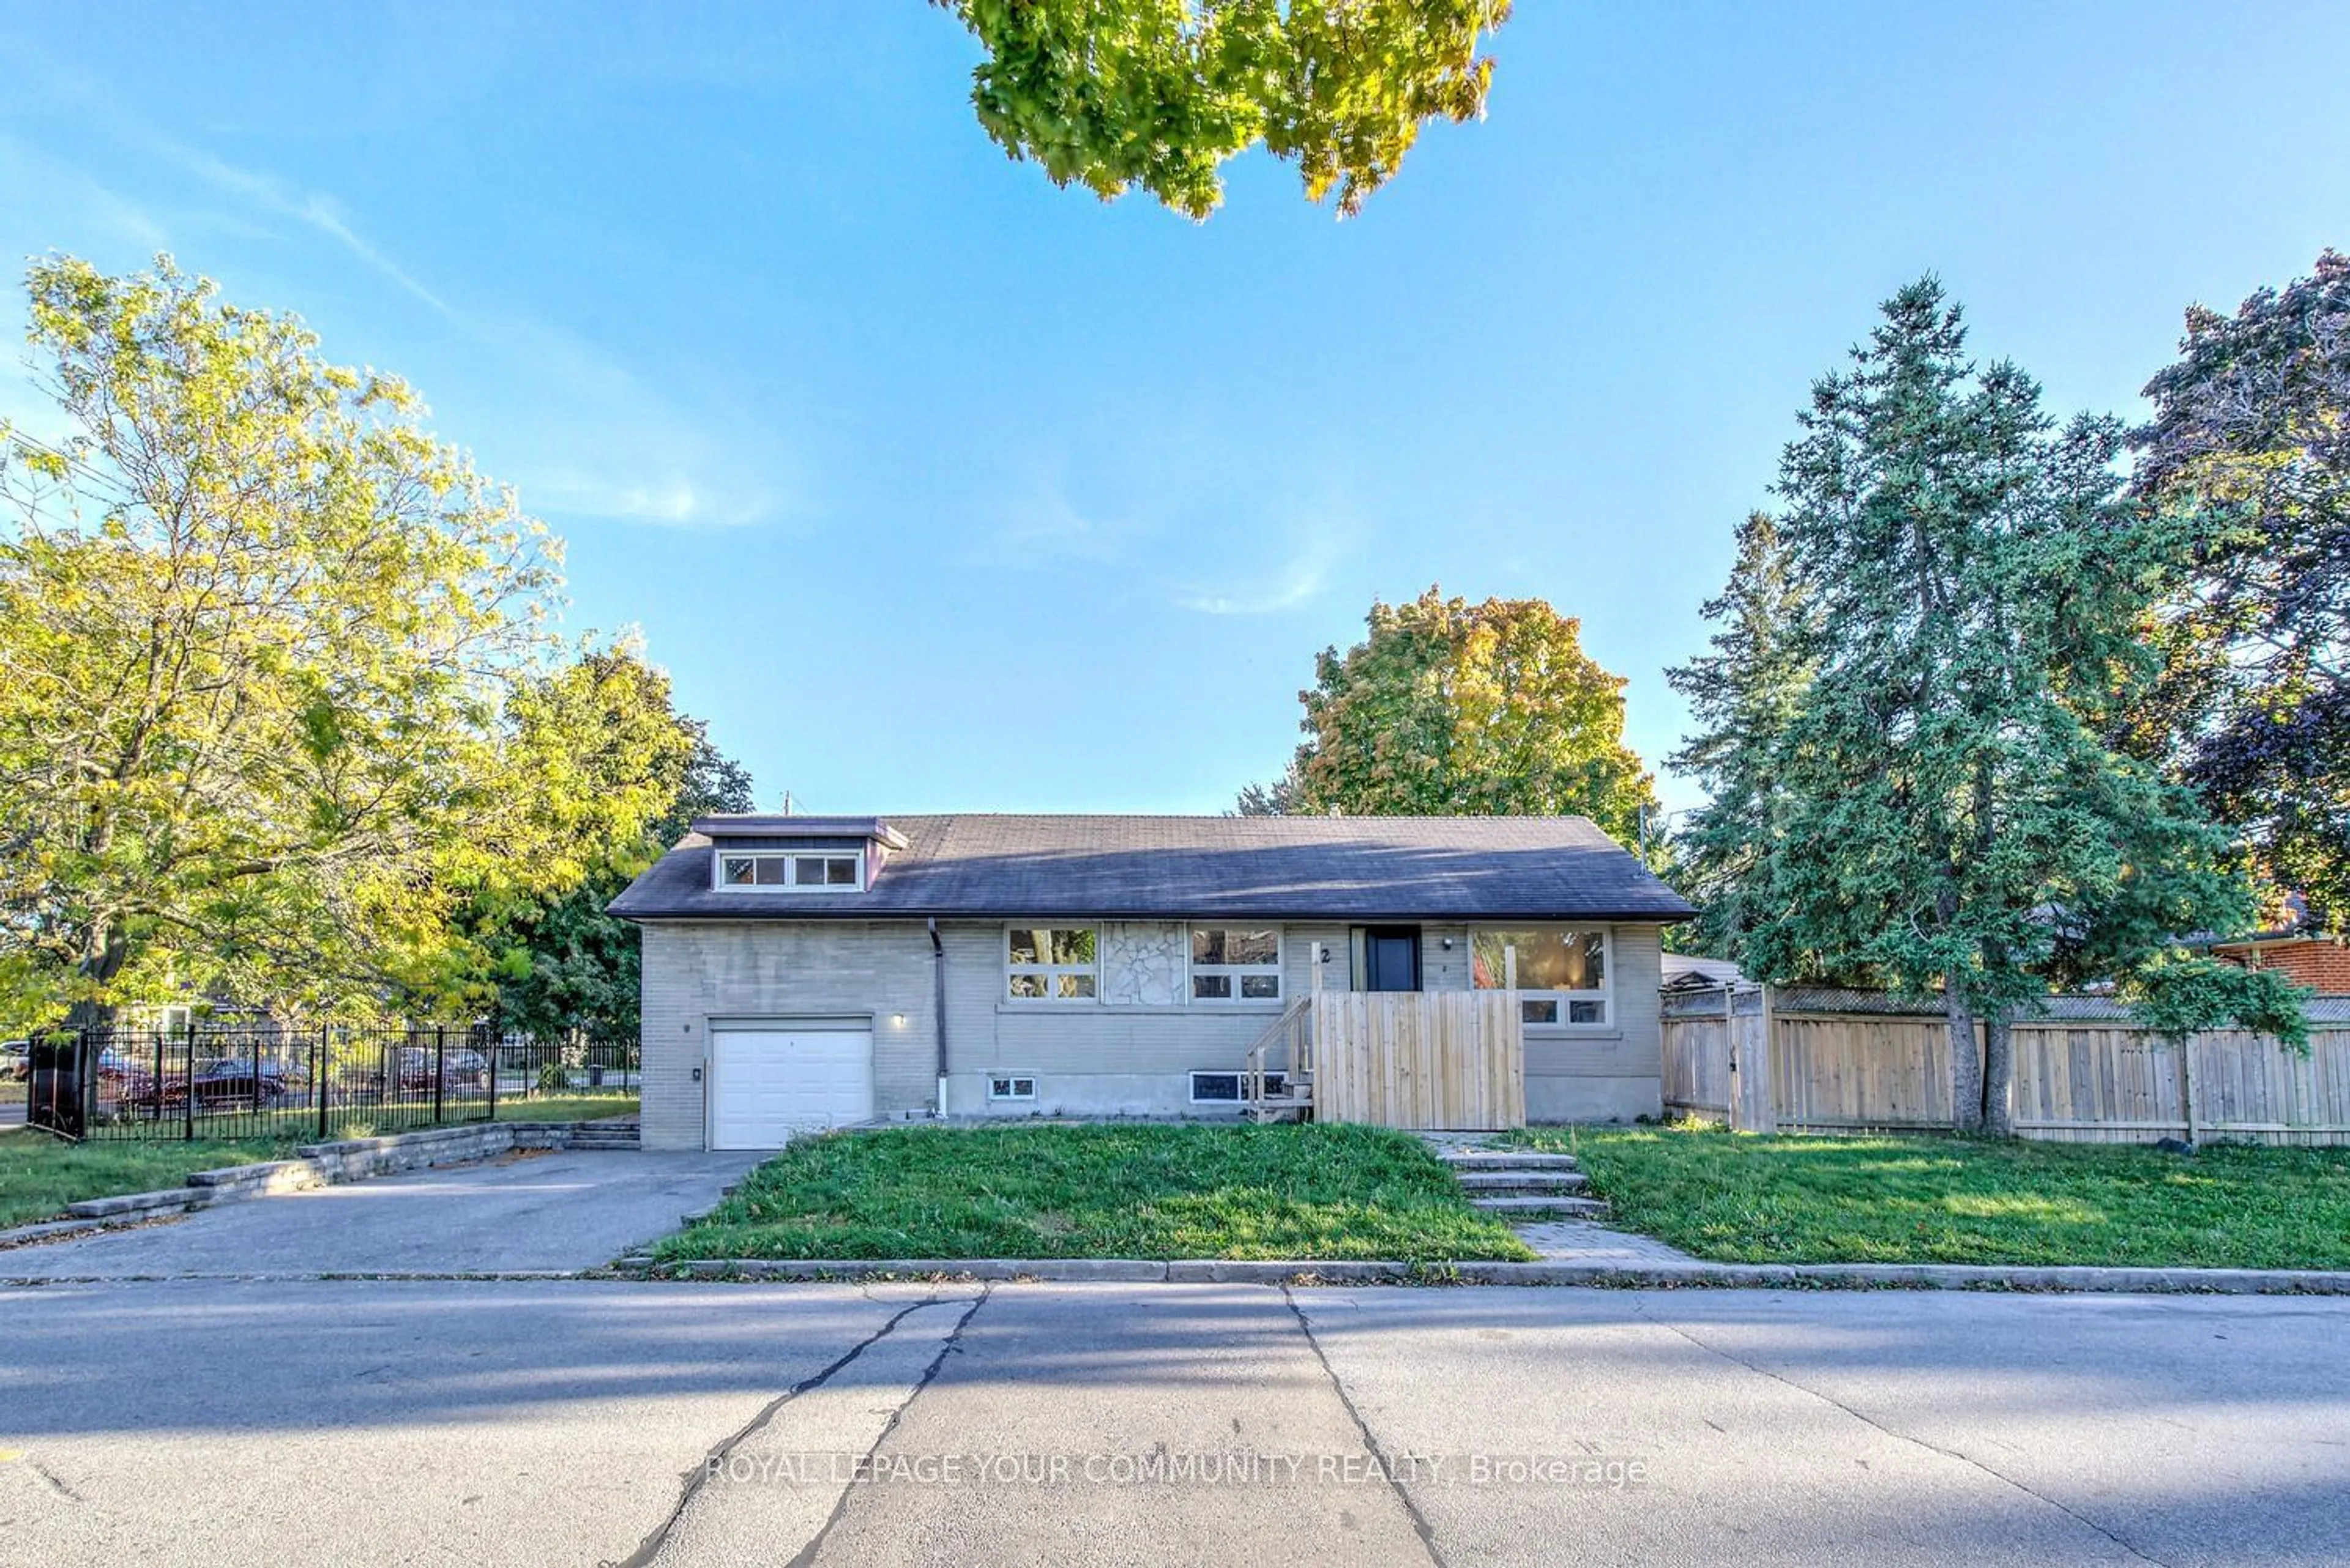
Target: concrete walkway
1564, 1240
1587, 1242
555, 1212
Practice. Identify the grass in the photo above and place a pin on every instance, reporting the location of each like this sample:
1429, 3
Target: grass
581, 1107
39, 1176
1742, 1198
1136, 1190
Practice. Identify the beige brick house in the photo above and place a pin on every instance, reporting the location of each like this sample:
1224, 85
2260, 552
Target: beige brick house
809, 972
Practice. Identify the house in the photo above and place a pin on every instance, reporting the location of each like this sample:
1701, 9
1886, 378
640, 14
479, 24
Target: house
1688, 972
808, 971
2300, 951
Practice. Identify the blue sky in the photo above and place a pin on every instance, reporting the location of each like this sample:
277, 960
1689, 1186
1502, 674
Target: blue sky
937, 488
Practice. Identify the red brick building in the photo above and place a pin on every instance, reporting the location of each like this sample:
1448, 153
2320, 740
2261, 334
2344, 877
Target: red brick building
2319, 963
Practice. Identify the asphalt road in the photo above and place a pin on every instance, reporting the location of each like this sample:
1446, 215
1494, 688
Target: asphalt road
344, 1421
522, 1212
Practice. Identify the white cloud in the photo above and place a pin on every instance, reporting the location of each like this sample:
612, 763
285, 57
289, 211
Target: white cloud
570, 426
1297, 582
39, 191
599, 440
272, 195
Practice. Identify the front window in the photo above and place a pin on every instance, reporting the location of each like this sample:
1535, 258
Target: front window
1565, 969
827, 871
1050, 963
1235, 963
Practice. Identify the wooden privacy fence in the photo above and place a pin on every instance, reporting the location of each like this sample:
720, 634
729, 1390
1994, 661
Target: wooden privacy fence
1711, 1058
1805, 1059
1435, 1061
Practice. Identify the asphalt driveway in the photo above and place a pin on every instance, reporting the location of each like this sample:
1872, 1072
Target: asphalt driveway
627, 1422
521, 1212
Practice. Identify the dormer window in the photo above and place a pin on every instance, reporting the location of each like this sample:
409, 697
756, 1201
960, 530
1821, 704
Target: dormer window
832, 871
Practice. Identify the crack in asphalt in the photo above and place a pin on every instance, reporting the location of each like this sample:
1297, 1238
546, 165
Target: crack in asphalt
953, 1346
689, 1483
1968, 1459
1387, 1467
55, 1485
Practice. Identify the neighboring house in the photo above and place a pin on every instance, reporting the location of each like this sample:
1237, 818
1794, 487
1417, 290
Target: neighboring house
1687, 972
2300, 953
804, 972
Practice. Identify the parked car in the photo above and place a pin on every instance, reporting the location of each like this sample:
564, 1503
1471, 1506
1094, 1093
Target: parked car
15, 1059
124, 1077
127, 1083
235, 1078
460, 1069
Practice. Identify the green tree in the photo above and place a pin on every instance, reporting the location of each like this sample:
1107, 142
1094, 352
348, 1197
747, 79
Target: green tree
1115, 94
268, 716
1278, 798
1946, 809
566, 968
1451, 709
1742, 696
2250, 445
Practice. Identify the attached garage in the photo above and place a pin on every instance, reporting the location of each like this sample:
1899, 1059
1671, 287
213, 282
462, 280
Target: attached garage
769, 1081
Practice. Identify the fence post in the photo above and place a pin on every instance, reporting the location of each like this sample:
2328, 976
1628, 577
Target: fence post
490, 1040
440, 1069
1729, 1054
187, 1086
321, 1053
2187, 1083
156, 1111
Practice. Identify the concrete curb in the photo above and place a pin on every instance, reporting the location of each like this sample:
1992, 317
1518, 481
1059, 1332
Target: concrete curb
1676, 1276
281, 1276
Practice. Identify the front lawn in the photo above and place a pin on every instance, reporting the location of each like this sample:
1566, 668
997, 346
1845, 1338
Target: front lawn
1136, 1190
39, 1176
1818, 1200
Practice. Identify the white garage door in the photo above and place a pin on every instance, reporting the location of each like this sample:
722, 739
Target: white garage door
767, 1084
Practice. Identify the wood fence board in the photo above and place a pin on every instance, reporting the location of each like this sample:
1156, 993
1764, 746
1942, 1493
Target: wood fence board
2100, 1081
1433, 1060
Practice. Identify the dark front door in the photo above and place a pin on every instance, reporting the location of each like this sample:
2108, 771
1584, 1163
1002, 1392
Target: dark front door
1391, 958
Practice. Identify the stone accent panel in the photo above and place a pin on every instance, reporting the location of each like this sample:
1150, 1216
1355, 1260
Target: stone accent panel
1143, 963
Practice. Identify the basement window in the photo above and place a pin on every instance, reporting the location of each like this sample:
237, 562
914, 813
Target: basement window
1224, 1088
1010, 1088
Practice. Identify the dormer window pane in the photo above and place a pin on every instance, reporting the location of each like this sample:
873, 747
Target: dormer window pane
833, 872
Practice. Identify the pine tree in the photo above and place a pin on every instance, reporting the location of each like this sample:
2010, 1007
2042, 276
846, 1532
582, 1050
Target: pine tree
1938, 808
1742, 696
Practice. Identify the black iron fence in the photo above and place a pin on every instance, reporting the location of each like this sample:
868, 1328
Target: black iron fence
271, 1081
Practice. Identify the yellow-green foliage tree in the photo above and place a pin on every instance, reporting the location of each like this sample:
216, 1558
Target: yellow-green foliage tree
1115, 94
1449, 708
278, 694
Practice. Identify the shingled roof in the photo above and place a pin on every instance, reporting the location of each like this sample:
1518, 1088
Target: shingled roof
1188, 868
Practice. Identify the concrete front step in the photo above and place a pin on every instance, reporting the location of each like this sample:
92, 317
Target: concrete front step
1469, 1159
1525, 1207
1487, 1183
